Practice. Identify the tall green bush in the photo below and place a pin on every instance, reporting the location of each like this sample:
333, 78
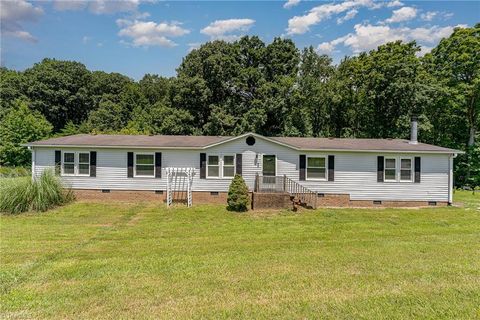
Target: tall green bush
238, 196
18, 195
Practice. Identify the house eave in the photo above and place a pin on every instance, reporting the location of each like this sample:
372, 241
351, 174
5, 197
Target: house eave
213, 145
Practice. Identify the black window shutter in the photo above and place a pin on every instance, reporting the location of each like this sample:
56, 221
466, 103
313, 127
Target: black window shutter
130, 164
380, 168
303, 163
158, 164
417, 169
331, 168
58, 161
93, 163
238, 164
203, 165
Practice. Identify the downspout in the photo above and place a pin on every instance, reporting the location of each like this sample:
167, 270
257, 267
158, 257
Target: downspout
33, 162
450, 177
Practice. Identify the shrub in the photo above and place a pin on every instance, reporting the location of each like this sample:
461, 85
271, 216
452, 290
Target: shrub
24, 194
238, 195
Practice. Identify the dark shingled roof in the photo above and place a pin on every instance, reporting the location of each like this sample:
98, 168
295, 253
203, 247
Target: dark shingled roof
111, 140
199, 142
360, 144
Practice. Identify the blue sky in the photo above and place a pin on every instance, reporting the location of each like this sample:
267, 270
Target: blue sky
135, 37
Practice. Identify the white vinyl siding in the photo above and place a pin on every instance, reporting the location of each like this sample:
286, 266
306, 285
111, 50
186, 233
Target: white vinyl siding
355, 172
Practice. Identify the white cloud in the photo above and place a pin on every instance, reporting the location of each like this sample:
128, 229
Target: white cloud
394, 3
149, 33
291, 3
402, 14
69, 5
447, 15
428, 16
302, 24
325, 48
223, 29
86, 39
368, 37
348, 16
97, 6
13, 14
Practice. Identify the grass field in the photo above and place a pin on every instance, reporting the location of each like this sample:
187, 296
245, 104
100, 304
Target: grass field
122, 261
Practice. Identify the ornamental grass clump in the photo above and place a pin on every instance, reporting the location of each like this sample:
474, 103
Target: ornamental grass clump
24, 194
238, 196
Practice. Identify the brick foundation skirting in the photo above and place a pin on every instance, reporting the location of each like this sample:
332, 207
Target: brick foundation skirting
202, 197
259, 200
343, 200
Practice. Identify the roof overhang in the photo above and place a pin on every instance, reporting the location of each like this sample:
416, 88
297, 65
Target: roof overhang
256, 135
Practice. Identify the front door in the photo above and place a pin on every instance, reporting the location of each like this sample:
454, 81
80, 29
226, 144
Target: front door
269, 168
269, 171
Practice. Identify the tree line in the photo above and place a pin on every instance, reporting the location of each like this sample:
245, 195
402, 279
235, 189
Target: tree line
273, 89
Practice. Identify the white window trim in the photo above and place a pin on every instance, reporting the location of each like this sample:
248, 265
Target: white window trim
412, 165
385, 169
212, 165
63, 162
326, 168
135, 175
77, 167
76, 164
220, 166
398, 168
234, 165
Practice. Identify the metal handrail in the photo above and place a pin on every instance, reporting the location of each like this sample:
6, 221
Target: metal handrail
284, 184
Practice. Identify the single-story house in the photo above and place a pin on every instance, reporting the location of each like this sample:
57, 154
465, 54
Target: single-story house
332, 171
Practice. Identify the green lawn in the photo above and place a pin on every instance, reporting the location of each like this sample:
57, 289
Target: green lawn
122, 261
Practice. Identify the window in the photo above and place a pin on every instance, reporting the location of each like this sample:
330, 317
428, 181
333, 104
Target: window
406, 169
228, 166
316, 169
68, 165
221, 166
144, 165
76, 164
390, 169
398, 169
84, 163
213, 166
